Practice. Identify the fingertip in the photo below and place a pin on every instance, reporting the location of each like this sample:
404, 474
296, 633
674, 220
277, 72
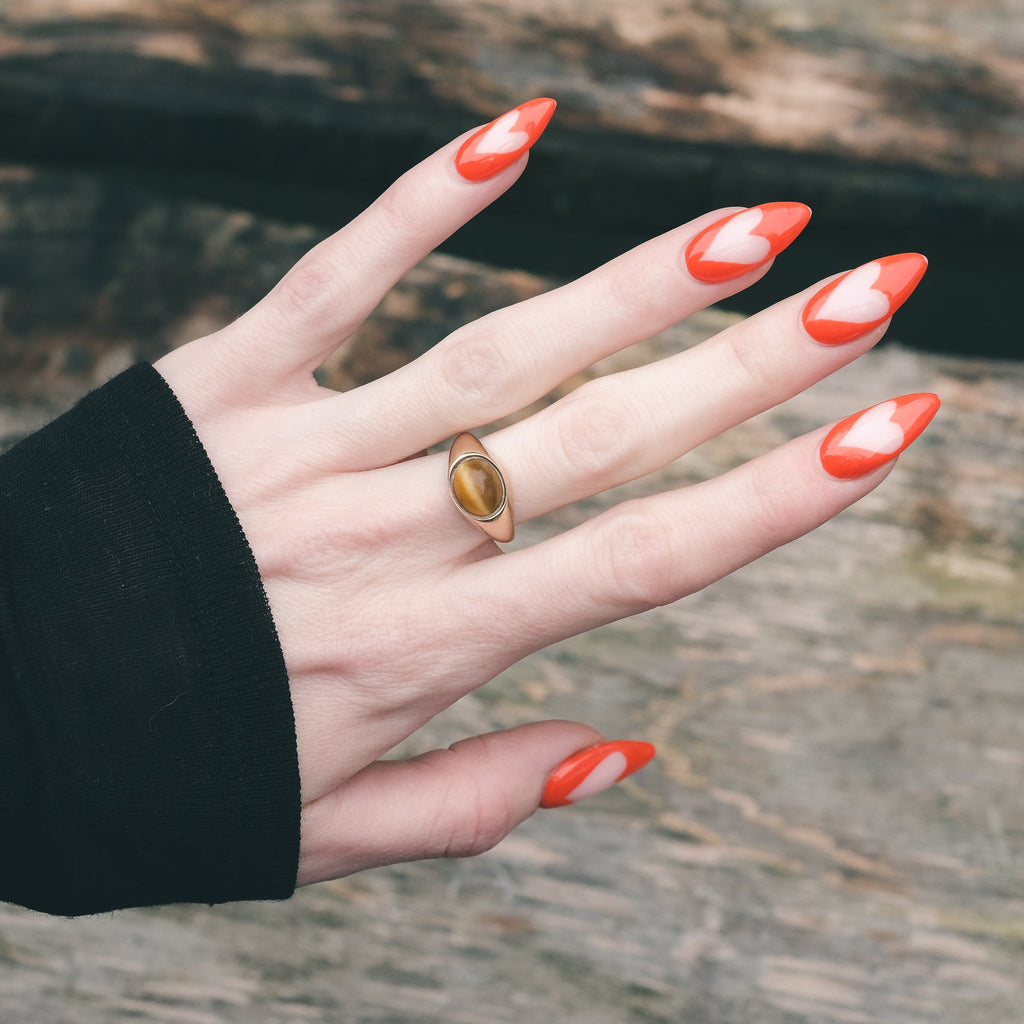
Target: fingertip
852, 304
743, 241
876, 436
595, 769
501, 143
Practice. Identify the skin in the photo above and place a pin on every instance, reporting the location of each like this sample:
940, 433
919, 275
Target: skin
390, 611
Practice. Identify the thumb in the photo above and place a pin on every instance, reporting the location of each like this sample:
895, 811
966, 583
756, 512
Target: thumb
459, 801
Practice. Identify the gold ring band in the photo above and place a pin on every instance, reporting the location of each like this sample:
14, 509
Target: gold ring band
479, 489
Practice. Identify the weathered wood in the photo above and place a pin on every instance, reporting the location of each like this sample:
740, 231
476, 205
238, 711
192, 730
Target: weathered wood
899, 123
937, 85
832, 831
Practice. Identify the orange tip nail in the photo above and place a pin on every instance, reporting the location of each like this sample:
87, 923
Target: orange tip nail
743, 241
870, 438
594, 770
502, 142
861, 299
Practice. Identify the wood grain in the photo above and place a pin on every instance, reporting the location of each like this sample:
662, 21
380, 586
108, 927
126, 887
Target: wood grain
833, 829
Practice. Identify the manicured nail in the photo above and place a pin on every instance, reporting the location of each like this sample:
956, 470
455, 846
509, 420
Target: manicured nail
745, 240
504, 140
863, 298
593, 770
868, 439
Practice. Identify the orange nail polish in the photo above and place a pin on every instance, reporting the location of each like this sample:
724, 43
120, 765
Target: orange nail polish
861, 299
870, 438
500, 143
745, 240
594, 770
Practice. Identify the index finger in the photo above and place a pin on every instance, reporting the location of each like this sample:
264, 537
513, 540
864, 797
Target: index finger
323, 299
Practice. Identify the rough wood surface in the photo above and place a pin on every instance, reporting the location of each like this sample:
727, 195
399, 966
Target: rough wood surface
899, 123
832, 831
935, 84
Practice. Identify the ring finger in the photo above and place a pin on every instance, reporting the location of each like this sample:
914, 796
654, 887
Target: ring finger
617, 428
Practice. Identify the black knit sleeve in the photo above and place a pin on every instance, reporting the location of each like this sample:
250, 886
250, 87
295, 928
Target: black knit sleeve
147, 741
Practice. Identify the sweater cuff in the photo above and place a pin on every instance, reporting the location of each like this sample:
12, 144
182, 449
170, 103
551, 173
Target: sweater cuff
147, 740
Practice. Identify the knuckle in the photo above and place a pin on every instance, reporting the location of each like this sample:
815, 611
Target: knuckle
307, 292
322, 546
636, 558
751, 360
471, 820
474, 369
596, 430
641, 286
400, 208
770, 511
479, 829
636, 297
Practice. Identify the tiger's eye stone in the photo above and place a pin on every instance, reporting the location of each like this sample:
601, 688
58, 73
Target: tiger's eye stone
478, 487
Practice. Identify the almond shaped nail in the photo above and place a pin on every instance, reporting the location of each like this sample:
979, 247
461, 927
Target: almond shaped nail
744, 240
502, 142
870, 438
594, 770
861, 299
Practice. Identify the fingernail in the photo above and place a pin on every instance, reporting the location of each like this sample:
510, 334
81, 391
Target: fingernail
594, 770
745, 240
863, 298
868, 439
504, 140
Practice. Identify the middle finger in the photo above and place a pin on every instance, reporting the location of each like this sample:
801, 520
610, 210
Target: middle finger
504, 361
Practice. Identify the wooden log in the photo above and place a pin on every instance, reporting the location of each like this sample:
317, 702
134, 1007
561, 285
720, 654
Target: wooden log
899, 125
832, 831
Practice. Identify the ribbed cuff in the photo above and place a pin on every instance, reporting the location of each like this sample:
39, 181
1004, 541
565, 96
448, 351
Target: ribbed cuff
146, 728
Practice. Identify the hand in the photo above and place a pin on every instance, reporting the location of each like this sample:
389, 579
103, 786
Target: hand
388, 603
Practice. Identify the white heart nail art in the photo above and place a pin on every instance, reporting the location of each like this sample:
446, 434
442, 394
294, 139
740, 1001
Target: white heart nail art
502, 136
605, 774
854, 300
875, 431
734, 242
